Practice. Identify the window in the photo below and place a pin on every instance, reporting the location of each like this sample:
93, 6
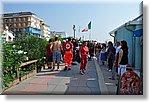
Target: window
29, 18
9, 20
24, 24
6, 20
29, 24
24, 19
19, 24
14, 19
14, 25
19, 19
10, 25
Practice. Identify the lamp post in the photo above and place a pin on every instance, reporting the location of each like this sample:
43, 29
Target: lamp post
74, 30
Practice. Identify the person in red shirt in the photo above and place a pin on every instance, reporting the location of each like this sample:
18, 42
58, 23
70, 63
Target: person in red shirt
68, 54
49, 54
83, 51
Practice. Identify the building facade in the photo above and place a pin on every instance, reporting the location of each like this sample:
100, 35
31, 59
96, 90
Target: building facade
23, 22
62, 34
132, 32
45, 30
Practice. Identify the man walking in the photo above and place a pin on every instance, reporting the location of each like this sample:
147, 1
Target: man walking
111, 55
56, 48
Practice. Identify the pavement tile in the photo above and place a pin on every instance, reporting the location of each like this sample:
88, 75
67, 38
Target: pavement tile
71, 90
39, 81
92, 83
95, 91
73, 83
60, 89
35, 88
64, 81
83, 91
50, 88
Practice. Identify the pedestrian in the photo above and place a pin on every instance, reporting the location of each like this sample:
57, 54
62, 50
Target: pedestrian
123, 57
49, 54
74, 42
103, 54
117, 55
91, 49
68, 54
56, 48
97, 50
62, 51
83, 51
111, 55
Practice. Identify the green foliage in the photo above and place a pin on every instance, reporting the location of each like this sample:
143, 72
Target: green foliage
22, 49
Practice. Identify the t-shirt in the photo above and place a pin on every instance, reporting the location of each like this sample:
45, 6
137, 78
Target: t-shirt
84, 50
112, 51
68, 46
118, 49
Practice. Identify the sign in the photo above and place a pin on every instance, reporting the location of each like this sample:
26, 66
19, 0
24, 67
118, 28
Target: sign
129, 83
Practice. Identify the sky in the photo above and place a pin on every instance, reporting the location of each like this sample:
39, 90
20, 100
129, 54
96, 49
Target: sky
104, 16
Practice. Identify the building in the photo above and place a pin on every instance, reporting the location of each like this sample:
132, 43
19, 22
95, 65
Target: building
45, 30
62, 34
132, 32
24, 22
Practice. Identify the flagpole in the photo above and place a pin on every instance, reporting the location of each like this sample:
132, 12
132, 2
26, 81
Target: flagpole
79, 31
89, 27
90, 34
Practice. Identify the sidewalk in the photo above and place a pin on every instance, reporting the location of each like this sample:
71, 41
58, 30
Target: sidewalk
95, 82
60, 82
106, 83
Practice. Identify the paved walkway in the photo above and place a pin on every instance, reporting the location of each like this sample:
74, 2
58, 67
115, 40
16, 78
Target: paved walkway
61, 82
110, 84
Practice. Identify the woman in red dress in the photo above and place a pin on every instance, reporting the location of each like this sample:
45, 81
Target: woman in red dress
83, 51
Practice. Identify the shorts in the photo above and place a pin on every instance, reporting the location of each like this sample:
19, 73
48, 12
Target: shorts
121, 69
56, 55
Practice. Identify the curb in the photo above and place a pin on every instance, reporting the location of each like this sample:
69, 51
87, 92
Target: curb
103, 88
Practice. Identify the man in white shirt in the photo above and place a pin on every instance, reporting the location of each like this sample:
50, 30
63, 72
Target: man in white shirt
118, 47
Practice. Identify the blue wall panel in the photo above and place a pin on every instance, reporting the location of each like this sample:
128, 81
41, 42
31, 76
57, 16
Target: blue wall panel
124, 34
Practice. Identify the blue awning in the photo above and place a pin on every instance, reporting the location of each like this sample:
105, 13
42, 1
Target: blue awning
138, 33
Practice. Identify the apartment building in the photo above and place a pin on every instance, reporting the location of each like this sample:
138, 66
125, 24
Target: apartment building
45, 30
24, 22
62, 34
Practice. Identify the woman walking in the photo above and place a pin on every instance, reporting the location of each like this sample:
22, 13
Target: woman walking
83, 51
49, 54
103, 54
123, 58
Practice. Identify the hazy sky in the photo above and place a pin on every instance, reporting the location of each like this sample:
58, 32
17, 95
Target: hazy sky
105, 17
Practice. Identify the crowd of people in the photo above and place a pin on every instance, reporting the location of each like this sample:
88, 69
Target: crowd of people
71, 50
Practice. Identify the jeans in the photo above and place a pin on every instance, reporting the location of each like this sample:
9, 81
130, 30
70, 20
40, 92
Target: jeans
110, 63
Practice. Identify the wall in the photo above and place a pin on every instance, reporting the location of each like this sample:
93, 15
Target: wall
124, 34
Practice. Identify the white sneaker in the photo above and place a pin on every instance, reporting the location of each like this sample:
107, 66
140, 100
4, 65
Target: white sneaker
109, 70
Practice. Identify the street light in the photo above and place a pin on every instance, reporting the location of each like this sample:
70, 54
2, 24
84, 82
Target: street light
74, 30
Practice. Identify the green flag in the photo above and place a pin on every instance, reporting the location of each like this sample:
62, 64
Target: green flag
89, 25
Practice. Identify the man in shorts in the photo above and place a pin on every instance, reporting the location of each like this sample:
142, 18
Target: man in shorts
56, 48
